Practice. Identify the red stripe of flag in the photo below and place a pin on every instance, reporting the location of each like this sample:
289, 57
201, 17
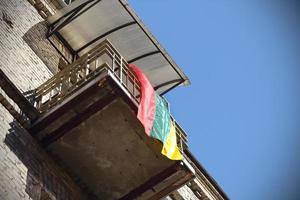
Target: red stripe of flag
146, 110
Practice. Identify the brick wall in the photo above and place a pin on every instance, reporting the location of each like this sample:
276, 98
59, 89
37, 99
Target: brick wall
36, 39
26, 171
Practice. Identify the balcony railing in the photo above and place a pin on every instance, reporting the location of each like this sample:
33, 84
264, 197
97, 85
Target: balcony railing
85, 69
82, 71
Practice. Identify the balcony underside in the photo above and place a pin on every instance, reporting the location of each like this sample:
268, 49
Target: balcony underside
95, 135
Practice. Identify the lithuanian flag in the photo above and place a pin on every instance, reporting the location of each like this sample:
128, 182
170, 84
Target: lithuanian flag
154, 114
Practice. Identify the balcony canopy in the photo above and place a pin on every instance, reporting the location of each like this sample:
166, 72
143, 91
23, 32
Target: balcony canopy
85, 23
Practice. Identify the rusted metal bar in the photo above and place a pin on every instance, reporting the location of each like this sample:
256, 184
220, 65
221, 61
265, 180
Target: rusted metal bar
12, 92
10, 108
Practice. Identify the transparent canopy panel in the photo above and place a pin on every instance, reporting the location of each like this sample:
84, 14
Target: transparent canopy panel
86, 23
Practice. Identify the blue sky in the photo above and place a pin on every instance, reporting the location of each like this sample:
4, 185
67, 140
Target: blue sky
242, 111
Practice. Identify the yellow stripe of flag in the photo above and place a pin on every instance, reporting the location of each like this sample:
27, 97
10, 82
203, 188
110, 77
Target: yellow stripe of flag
170, 148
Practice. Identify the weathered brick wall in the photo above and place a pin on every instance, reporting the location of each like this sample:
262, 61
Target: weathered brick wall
25, 168
36, 39
18, 60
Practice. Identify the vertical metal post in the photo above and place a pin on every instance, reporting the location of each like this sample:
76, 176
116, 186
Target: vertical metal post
121, 70
60, 88
87, 69
39, 102
87, 66
181, 145
69, 78
133, 88
96, 63
126, 78
113, 63
50, 93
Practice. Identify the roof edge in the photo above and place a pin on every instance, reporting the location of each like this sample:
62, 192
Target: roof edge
206, 174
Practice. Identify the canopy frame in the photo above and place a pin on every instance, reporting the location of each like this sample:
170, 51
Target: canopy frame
68, 17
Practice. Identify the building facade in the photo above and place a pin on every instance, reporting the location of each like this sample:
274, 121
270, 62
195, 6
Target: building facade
42, 149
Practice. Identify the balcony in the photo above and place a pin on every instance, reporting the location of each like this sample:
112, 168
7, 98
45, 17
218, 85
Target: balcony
104, 63
88, 124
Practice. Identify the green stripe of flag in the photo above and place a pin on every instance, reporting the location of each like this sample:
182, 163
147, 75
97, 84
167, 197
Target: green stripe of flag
162, 120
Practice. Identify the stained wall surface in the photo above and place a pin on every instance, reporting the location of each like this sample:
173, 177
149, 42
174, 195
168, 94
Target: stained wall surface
26, 171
